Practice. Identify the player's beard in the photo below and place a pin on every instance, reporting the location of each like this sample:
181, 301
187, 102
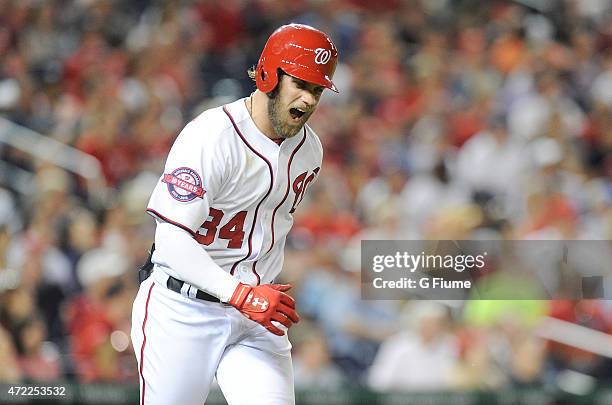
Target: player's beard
281, 119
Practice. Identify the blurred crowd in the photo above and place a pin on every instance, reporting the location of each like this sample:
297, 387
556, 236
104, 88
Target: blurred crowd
456, 119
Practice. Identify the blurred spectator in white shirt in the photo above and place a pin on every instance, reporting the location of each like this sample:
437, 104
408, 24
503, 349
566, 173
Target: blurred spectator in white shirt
418, 358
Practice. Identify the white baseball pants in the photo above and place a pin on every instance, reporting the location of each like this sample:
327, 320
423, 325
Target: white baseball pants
181, 343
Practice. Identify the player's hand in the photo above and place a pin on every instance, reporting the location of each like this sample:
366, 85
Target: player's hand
266, 303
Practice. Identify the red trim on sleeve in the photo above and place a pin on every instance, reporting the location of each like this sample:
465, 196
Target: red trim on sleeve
144, 342
165, 219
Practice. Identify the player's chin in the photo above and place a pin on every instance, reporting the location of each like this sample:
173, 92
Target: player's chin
292, 129
293, 132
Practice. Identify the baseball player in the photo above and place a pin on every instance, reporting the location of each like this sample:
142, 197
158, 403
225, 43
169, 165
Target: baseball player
223, 207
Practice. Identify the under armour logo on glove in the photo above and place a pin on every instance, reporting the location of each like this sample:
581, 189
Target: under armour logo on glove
257, 301
266, 303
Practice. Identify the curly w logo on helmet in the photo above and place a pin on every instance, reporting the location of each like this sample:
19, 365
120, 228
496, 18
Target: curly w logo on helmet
322, 56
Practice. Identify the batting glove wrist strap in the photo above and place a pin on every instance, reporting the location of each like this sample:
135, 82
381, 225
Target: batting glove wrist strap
266, 303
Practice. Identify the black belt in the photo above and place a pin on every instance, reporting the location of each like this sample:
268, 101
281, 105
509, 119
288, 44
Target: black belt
173, 284
176, 285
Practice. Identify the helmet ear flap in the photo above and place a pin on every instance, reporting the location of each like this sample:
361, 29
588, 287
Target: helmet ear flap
266, 81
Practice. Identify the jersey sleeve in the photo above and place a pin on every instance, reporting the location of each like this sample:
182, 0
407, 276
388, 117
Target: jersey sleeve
192, 176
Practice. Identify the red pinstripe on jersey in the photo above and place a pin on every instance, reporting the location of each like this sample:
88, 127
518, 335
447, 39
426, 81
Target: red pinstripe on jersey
260, 202
144, 342
288, 185
254, 269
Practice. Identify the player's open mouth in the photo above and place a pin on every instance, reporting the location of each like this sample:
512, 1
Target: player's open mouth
296, 113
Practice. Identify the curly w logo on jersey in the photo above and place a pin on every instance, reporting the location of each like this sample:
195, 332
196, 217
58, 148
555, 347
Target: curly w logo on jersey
300, 184
184, 184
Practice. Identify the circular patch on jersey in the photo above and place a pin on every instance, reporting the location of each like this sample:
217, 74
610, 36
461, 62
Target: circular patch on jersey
184, 184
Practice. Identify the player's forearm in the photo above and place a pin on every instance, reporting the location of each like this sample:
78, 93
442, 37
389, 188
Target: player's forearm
176, 249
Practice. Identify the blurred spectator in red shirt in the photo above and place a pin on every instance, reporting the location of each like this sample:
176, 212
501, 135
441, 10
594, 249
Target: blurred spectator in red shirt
38, 360
96, 315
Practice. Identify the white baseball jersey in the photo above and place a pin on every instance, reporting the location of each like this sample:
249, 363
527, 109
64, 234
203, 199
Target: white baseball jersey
235, 190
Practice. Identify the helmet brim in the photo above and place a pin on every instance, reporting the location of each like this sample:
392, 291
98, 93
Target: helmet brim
308, 76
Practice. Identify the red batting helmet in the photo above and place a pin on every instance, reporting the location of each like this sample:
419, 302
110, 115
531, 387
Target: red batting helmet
300, 51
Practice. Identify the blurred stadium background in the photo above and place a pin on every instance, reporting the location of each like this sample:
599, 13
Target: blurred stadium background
456, 119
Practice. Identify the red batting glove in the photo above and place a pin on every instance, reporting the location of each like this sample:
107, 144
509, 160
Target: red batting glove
266, 303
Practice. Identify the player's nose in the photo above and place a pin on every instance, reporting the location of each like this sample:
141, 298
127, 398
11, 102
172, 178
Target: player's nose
308, 98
